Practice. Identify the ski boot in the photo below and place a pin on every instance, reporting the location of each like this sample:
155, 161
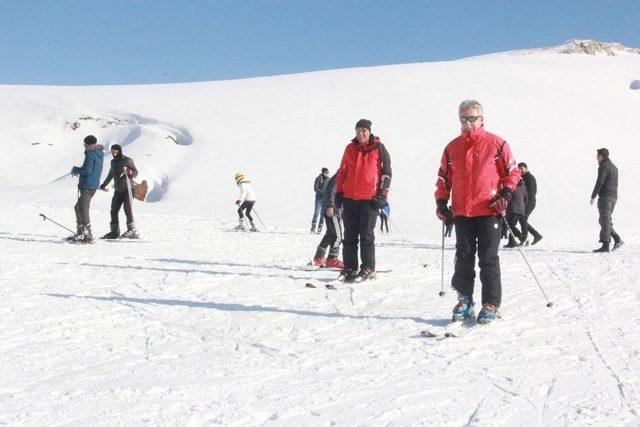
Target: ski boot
346, 275
488, 314
365, 273
240, 226
334, 262
463, 309
85, 236
313, 228
319, 262
319, 230
602, 249
616, 245
131, 232
536, 239
253, 227
114, 233
75, 236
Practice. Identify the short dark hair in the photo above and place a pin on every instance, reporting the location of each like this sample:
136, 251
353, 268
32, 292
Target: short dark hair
523, 165
90, 140
604, 153
325, 170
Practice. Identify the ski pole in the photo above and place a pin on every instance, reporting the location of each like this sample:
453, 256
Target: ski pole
59, 178
259, 219
442, 292
407, 243
45, 218
126, 177
549, 303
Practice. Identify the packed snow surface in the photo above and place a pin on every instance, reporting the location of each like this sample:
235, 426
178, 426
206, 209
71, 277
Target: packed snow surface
201, 325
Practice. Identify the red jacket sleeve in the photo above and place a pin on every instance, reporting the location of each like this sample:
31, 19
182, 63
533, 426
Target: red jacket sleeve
507, 167
342, 172
443, 184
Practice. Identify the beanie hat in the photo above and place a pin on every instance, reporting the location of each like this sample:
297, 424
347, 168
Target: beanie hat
523, 165
364, 123
239, 176
90, 140
325, 170
604, 153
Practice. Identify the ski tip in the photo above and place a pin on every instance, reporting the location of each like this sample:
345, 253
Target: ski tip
330, 286
309, 285
428, 334
450, 335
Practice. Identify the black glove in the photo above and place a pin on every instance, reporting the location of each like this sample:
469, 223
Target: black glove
338, 200
506, 193
442, 211
380, 202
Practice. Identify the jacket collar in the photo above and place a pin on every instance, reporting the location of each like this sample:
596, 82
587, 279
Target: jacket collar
475, 136
93, 147
373, 144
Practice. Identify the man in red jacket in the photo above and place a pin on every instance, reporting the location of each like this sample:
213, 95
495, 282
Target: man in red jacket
362, 187
479, 172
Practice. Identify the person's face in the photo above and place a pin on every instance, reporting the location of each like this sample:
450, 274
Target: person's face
470, 119
114, 153
363, 134
599, 158
523, 170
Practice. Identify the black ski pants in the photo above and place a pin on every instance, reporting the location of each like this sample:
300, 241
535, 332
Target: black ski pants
121, 198
522, 234
359, 218
248, 205
482, 234
384, 222
530, 229
332, 236
82, 206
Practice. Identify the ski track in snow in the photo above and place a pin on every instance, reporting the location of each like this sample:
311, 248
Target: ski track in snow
200, 325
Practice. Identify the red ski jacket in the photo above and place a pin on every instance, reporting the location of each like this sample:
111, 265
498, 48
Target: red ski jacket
474, 168
365, 170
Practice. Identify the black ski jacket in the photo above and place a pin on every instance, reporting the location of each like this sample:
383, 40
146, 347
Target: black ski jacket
329, 200
320, 186
116, 171
532, 190
607, 183
518, 203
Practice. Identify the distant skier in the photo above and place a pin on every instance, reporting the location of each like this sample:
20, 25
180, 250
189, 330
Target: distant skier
516, 213
385, 212
245, 202
122, 169
606, 190
88, 183
362, 186
320, 188
333, 236
532, 190
479, 172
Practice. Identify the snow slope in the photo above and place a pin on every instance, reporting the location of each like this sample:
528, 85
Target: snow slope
201, 325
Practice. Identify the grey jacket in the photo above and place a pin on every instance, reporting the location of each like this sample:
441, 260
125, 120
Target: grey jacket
320, 186
329, 199
607, 183
518, 203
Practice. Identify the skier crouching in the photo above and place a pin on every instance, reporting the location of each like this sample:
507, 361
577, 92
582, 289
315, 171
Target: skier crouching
333, 235
245, 202
122, 169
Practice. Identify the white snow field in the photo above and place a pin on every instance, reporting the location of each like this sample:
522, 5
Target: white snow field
202, 325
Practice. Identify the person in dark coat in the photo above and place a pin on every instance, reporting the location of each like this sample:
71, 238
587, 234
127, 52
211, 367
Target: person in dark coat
516, 213
532, 190
606, 191
333, 235
122, 170
88, 182
320, 188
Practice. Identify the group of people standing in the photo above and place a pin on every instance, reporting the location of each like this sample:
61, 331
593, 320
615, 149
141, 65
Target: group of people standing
478, 185
122, 170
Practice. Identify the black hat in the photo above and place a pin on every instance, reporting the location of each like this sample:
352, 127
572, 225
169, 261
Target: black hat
90, 140
523, 165
116, 147
325, 170
604, 153
364, 123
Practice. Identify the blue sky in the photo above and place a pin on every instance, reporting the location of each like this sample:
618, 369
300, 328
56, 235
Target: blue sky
123, 42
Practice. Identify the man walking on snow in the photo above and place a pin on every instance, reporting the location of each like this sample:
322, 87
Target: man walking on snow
532, 190
320, 188
362, 186
479, 172
606, 190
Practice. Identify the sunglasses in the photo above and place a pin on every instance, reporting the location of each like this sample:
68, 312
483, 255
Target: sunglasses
470, 119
